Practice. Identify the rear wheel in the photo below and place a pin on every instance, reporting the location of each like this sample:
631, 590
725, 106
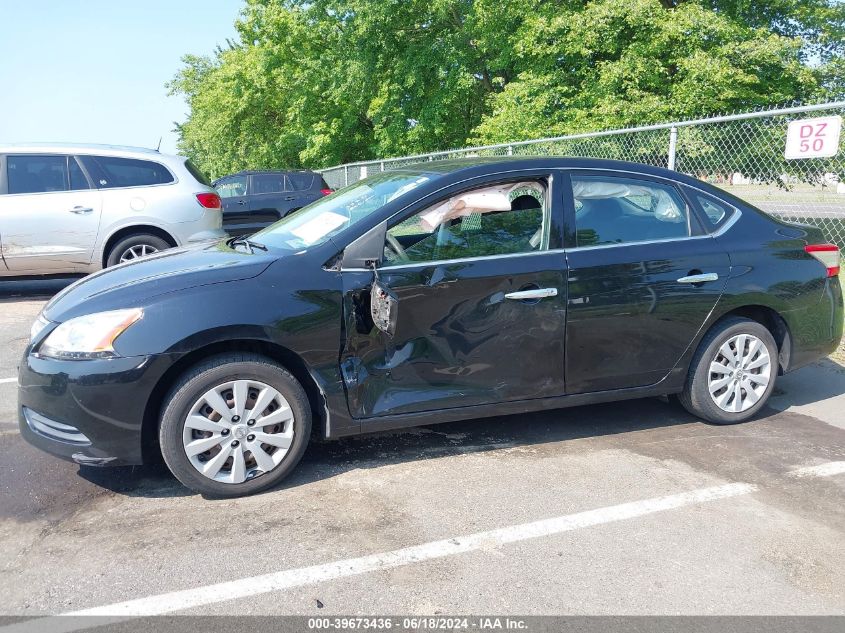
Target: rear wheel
135, 246
733, 372
234, 425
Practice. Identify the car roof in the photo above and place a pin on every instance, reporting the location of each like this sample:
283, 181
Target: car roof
475, 163
79, 148
252, 172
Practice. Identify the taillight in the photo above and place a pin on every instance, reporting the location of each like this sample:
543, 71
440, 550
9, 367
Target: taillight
828, 255
326, 192
209, 200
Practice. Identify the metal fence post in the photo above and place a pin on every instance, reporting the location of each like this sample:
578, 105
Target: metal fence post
382, 165
510, 150
346, 175
673, 143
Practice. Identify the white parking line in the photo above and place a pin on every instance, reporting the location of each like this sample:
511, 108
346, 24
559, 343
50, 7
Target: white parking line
5, 380
210, 594
822, 470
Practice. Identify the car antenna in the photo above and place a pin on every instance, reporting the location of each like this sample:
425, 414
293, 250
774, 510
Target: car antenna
158, 147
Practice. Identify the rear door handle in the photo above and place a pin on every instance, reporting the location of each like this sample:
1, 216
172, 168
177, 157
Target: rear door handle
534, 293
241, 201
81, 210
699, 278
290, 197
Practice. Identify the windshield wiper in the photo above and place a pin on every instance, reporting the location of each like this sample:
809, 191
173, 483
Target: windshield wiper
250, 245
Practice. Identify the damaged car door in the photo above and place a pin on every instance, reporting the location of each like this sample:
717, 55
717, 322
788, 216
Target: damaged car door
466, 305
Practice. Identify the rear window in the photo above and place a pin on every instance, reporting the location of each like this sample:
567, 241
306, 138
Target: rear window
197, 174
113, 172
300, 181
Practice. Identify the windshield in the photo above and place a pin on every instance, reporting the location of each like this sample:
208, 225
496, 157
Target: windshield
328, 216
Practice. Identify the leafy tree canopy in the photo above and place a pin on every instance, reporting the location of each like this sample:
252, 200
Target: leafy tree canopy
320, 82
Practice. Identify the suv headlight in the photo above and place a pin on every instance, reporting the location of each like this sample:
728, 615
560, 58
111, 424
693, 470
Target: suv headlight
89, 336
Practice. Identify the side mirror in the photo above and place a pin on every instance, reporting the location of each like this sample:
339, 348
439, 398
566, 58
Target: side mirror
367, 249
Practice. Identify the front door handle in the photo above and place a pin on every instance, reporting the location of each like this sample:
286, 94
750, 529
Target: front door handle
241, 202
534, 293
81, 210
699, 278
288, 198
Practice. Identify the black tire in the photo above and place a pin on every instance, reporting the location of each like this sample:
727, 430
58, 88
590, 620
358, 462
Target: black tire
135, 240
696, 397
205, 376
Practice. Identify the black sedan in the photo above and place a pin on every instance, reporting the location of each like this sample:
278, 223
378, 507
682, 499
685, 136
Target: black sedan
440, 292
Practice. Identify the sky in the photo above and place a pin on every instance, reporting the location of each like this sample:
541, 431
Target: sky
94, 71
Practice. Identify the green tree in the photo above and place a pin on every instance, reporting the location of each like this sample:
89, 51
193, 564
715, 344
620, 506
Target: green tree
320, 82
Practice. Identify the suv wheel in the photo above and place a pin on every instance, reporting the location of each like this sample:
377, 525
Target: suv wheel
234, 425
135, 246
733, 372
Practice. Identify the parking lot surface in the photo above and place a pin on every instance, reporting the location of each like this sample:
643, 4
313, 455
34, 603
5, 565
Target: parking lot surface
627, 508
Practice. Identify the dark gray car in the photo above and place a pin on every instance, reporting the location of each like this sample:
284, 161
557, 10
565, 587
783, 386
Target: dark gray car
255, 199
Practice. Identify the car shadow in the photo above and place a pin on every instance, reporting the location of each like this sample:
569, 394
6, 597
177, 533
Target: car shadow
324, 460
818, 381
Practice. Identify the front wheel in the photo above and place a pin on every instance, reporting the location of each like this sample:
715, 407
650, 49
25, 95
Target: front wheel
234, 425
733, 372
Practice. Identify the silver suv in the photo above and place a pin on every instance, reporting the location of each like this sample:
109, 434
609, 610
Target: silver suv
79, 208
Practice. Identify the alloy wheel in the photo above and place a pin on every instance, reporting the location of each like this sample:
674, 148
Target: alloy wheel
139, 250
237, 431
740, 373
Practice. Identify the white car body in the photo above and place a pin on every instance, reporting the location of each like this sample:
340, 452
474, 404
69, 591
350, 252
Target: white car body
65, 228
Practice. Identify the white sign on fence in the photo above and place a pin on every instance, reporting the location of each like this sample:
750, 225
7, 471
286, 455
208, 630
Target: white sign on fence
813, 138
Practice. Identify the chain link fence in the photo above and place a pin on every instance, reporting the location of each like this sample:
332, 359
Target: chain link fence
741, 153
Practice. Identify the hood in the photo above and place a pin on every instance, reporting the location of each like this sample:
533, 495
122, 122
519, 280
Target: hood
135, 283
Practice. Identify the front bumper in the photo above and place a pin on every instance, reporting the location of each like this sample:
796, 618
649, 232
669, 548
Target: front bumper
92, 411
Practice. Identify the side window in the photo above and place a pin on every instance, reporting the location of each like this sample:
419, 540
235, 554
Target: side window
112, 171
33, 173
714, 211
268, 183
494, 220
300, 181
78, 181
612, 210
232, 187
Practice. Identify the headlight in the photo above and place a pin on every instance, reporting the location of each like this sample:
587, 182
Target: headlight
90, 336
37, 327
